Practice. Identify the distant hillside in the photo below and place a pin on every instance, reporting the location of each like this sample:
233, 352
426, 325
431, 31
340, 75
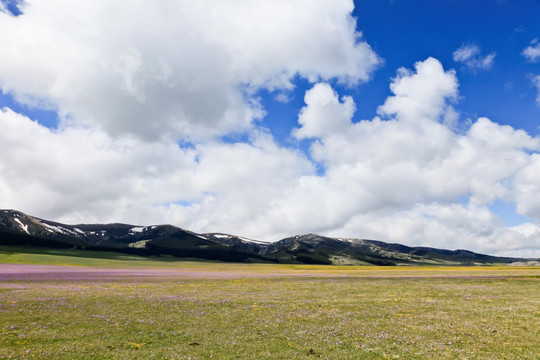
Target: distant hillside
22, 230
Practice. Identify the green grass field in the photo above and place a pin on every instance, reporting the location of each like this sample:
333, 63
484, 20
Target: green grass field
258, 311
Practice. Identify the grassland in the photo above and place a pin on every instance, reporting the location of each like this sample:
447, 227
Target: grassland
115, 309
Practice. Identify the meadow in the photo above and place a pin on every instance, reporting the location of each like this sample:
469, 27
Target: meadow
51, 307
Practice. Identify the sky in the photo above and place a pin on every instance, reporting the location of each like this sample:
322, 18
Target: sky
407, 121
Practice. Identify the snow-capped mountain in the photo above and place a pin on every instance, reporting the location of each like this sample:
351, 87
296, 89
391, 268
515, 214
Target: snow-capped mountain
18, 229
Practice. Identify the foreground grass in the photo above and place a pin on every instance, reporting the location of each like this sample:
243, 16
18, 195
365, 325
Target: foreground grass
335, 313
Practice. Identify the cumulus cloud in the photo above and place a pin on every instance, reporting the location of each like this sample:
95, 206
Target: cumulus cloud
422, 95
404, 178
532, 52
324, 114
470, 55
527, 184
453, 226
174, 68
79, 175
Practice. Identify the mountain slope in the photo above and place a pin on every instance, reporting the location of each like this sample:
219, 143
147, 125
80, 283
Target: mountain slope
19, 229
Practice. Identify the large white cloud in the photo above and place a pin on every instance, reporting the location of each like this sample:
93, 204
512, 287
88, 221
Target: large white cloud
527, 185
451, 226
81, 175
174, 68
411, 178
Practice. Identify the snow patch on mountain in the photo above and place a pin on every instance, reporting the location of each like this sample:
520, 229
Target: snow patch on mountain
222, 236
243, 239
24, 227
137, 229
62, 230
349, 240
252, 241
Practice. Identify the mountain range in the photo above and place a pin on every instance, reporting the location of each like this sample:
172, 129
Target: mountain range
21, 230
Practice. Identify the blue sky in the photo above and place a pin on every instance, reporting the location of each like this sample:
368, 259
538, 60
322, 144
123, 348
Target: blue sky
404, 31
407, 121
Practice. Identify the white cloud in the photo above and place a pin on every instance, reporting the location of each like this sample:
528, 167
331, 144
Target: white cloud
421, 96
449, 226
404, 179
527, 184
323, 114
81, 175
174, 68
267, 192
470, 56
532, 52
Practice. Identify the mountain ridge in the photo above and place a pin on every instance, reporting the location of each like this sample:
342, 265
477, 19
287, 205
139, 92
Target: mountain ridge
20, 229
